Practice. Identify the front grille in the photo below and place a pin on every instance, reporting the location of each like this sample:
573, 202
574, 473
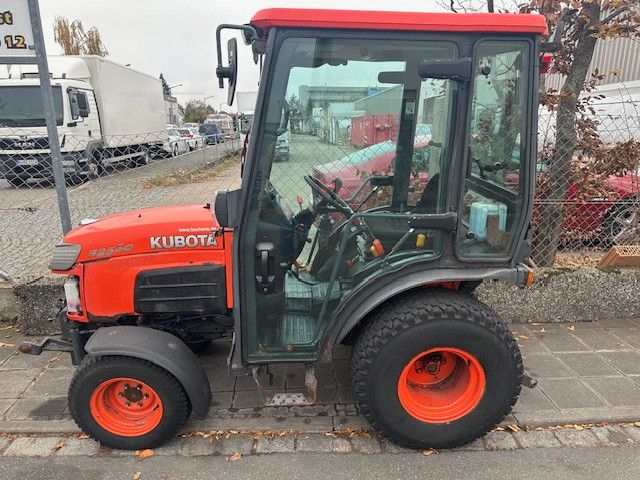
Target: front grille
199, 289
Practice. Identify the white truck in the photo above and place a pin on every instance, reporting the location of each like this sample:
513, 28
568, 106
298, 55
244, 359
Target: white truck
106, 113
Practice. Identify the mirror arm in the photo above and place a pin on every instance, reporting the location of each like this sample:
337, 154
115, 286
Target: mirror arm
225, 72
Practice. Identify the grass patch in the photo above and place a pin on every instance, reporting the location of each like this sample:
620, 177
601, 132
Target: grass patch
203, 173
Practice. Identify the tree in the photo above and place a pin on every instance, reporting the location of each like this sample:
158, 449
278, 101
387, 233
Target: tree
165, 86
74, 40
578, 157
196, 111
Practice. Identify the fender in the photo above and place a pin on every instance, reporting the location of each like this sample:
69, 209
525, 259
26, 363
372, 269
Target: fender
384, 287
161, 348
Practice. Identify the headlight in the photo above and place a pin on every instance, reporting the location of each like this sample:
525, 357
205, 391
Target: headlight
64, 256
72, 295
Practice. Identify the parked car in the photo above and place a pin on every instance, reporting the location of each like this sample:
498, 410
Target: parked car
177, 144
194, 139
282, 147
610, 220
211, 132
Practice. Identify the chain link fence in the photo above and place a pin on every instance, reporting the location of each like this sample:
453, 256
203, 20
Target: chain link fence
107, 176
580, 210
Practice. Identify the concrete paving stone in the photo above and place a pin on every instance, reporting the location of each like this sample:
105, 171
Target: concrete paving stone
570, 437
37, 408
635, 379
251, 398
295, 375
283, 444
7, 352
350, 422
6, 404
627, 362
247, 383
533, 399
219, 378
546, 365
570, 393
346, 394
389, 447
531, 345
53, 382
475, 446
14, 382
32, 446
222, 400
310, 442
537, 439
4, 441
599, 339
500, 441
618, 323
612, 435
341, 445
24, 360
587, 364
78, 446
630, 337
618, 391
634, 434
235, 443
562, 342
366, 444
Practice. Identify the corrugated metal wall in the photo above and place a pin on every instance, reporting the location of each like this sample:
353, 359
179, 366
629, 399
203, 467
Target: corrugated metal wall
621, 55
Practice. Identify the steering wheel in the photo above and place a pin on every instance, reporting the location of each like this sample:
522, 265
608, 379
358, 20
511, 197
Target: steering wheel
328, 196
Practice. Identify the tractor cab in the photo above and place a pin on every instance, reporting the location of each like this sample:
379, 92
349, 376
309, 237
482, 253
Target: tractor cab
410, 162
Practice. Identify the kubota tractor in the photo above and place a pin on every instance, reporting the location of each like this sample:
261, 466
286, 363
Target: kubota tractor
391, 271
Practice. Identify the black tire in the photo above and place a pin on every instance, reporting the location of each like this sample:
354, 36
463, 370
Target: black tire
420, 321
93, 371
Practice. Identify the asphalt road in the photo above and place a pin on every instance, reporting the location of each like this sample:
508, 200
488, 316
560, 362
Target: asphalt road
535, 464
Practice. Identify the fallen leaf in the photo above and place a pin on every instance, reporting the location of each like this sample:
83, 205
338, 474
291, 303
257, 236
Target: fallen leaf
499, 429
2, 344
578, 427
523, 337
235, 457
431, 451
542, 330
137, 475
59, 445
571, 328
637, 424
51, 360
535, 323
146, 453
513, 427
83, 436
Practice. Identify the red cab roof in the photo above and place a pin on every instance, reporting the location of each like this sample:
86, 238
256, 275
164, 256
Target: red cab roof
417, 21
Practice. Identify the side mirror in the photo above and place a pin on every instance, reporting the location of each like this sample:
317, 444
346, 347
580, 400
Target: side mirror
230, 72
458, 70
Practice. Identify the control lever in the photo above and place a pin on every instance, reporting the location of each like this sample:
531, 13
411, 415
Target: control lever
265, 273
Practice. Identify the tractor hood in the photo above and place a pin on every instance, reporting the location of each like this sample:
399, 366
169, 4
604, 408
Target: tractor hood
149, 230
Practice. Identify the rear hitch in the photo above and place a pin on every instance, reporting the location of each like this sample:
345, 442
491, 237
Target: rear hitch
47, 343
528, 381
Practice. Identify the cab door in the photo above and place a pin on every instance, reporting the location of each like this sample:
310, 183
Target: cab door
370, 146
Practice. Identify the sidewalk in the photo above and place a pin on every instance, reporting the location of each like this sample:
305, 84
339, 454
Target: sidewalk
588, 373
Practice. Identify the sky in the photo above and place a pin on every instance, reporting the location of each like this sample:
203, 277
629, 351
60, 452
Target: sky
178, 38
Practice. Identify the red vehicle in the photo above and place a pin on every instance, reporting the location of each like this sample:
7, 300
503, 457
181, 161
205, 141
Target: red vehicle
431, 365
611, 220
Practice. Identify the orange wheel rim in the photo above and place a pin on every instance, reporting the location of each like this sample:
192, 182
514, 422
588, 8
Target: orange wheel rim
441, 385
126, 407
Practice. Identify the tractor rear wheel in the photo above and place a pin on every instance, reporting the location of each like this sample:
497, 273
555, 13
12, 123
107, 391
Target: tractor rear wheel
435, 370
127, 403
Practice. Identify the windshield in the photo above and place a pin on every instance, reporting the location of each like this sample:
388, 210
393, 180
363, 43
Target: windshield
208, 128
21, 106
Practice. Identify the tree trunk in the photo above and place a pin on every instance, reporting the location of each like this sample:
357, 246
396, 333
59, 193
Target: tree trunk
549, 229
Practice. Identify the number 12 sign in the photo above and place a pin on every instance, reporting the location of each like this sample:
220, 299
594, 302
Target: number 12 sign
16, 35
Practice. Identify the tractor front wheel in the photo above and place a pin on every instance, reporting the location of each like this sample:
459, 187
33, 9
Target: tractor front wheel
127, 403
436, 370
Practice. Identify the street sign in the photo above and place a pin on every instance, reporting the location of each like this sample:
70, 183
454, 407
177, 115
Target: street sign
16, 34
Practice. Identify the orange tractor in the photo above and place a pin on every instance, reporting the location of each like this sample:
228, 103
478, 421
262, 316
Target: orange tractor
289, 279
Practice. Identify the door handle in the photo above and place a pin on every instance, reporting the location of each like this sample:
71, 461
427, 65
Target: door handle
264, 267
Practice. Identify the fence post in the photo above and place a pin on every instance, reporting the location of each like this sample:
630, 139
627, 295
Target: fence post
49, 115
